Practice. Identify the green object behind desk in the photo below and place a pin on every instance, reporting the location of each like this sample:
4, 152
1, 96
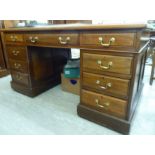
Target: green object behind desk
72, 69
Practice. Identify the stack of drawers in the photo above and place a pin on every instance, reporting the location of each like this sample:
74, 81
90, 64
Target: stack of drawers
18, 58
105, 93
108, 78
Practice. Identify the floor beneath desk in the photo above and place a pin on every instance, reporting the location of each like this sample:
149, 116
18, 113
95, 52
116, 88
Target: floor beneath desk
54, 112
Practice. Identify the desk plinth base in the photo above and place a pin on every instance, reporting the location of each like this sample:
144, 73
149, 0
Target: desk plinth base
119, 125
34, 91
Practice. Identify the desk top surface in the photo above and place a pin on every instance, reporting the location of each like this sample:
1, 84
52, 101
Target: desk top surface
78, 27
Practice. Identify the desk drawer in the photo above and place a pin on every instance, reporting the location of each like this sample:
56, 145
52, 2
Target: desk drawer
14, 38
108, 40
113, 86
106, 104
106, 63
55, 39
17, 52
20, 77
19, 65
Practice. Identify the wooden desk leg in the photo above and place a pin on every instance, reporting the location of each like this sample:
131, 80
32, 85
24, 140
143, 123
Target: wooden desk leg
153, 67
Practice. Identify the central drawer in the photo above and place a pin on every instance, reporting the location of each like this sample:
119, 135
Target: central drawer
106, 63
55, 39
110, 105
105, 84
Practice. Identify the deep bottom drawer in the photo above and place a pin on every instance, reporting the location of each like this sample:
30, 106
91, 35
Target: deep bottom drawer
20, 77
106, 104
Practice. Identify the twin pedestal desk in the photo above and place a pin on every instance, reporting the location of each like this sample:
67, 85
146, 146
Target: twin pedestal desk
112, 60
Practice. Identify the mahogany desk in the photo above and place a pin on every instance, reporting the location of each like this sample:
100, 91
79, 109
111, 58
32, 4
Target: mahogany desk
112, 66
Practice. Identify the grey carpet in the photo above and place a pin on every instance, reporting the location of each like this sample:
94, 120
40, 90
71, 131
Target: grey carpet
54, 112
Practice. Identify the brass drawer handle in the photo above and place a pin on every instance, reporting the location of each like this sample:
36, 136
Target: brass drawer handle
107, 85
33, 39
64, 42
17, 66
15, 53
104, 105
104, 67
13, 38
18, 77
112, 40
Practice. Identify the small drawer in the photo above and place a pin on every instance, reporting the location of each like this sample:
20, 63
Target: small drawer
20, 77
17, 52
55, 39
107, 40
105, 104
106, 63
113, 86
14, 38
18, 65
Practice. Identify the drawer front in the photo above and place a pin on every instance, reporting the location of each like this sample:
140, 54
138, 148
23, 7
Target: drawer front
106, 104
107, 63
56, 39
100, 40
18, 65
14, 38
20, 77
18, 52
114, 86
